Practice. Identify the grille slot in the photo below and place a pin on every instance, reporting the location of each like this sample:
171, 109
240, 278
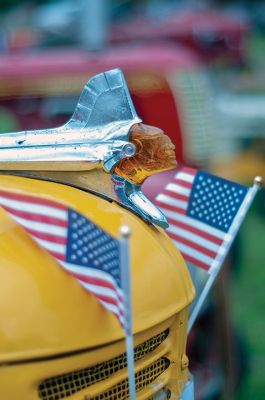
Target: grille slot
65, 385
142, 379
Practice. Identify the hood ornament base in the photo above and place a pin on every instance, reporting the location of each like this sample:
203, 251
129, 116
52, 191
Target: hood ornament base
132, 197
111, 187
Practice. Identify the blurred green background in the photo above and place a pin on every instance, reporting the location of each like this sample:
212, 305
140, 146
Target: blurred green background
247, 290
248, 301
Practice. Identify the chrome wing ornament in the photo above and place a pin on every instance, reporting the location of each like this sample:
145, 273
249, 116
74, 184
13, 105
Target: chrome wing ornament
96, 135
86, 148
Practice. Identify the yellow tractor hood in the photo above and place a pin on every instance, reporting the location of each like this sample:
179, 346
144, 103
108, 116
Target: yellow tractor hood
45, 312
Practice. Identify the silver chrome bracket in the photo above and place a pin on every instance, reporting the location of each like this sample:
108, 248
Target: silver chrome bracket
131, 196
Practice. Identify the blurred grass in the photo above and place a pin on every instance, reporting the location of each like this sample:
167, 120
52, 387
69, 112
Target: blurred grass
248, 302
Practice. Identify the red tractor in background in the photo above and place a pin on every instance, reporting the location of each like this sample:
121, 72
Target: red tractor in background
212, 35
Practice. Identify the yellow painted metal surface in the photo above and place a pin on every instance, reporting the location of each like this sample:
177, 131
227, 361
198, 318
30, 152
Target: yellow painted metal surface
47, 318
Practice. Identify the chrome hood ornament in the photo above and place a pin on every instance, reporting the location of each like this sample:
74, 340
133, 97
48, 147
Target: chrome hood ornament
97, 135
87, 148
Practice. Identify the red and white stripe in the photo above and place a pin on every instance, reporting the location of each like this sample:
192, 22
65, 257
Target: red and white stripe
198, 242
47, 222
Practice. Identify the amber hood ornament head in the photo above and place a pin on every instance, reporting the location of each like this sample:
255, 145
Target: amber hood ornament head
104, 134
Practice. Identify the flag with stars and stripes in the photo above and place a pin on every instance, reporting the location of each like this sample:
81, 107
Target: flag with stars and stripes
91, 255
201, 209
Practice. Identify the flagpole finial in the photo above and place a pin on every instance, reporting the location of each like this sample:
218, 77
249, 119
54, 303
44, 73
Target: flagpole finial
258, 180
125, 231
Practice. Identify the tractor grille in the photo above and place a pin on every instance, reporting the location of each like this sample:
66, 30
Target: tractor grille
65, 385
196, 107
142, 379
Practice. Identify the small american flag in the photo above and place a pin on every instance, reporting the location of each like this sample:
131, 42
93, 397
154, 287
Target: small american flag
200, 209
81, 247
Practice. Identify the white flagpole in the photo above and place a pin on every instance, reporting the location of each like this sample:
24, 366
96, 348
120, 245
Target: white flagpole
126, 285
217, 263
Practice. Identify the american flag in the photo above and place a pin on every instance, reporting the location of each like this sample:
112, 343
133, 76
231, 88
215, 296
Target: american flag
200, 209
81, 247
